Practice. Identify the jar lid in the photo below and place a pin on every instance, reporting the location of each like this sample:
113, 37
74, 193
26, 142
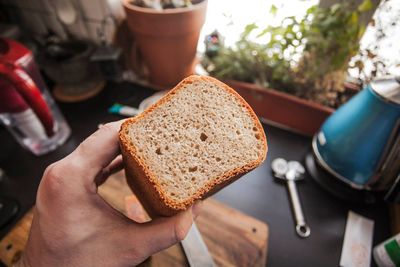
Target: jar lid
388, 88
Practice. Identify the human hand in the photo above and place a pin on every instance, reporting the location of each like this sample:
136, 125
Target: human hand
74, 226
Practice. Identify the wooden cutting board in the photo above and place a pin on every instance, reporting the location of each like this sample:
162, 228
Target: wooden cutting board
233, 238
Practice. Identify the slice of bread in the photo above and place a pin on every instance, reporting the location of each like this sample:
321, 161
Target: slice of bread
198, 138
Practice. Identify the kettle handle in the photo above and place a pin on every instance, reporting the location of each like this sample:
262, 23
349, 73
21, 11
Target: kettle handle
27, 88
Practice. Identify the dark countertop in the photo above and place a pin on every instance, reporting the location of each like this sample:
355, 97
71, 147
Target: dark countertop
256, 194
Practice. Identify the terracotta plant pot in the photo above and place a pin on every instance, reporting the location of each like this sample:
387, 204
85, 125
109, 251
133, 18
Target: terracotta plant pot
167, 40
289, 111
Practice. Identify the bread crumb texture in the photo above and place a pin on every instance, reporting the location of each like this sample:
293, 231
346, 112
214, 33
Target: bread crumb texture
203, 132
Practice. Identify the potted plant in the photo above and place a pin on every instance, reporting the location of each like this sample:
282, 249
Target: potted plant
166, 33
305, 62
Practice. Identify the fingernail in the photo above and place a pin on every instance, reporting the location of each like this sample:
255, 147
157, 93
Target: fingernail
196, 208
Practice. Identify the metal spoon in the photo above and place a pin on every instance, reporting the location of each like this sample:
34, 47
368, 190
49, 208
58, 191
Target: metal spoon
291, 172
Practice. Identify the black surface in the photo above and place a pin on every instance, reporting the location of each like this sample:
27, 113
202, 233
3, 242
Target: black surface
8, 210
257, 194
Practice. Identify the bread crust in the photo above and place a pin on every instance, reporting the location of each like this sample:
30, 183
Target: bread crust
143, 182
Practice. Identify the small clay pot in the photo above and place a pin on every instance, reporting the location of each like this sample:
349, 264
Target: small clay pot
167, 39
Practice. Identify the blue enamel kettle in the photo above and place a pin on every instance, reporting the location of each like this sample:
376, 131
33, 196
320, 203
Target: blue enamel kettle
359, 144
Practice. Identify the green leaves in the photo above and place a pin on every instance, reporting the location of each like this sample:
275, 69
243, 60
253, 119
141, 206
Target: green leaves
248, 29
263, 32
273, 10
365, 6
304, 56
333, 38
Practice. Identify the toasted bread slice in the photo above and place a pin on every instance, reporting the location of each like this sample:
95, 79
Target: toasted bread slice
198, 138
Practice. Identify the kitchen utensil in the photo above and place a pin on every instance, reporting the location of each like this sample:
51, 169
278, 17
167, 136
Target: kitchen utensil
359, 145
124, 110
233, 238
66, 12
291, 172
70, 16
196, 250
26, 108
51, 19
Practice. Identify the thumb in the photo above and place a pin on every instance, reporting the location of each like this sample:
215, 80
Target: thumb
162, 233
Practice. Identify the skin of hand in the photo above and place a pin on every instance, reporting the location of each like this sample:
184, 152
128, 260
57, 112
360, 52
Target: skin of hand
74, 226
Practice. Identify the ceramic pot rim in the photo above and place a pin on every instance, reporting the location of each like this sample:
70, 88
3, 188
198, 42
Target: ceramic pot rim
127, 4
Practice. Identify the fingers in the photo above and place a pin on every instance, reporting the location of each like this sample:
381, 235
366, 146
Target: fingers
162, 233
197, 207
165, 232
96, 152
116, 165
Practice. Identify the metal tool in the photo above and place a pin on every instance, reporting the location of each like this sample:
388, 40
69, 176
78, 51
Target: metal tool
196, 250
291, 172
